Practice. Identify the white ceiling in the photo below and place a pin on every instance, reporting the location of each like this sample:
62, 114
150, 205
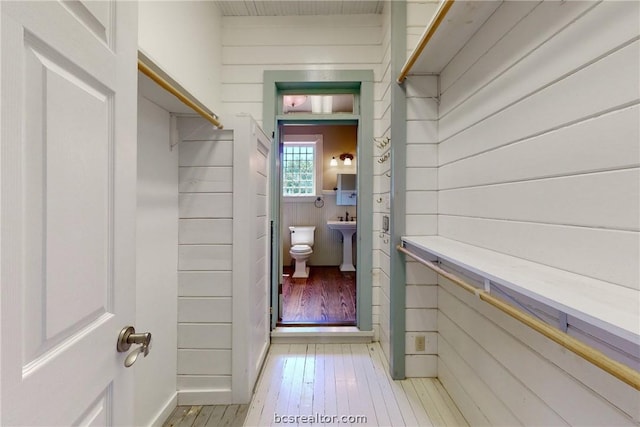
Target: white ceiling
299, 7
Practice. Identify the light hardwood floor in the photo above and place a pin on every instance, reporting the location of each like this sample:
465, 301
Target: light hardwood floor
344, 380
207, 416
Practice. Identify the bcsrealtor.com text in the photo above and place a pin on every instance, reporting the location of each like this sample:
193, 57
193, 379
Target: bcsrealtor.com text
319, 419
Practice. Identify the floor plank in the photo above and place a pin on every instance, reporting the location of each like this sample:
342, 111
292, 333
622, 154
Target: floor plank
380, 370
176, 416
190, 417
229, 416
327, 297
209, 415
241, 416
203, 416
375, 408
216, 416
346, 379
331, 380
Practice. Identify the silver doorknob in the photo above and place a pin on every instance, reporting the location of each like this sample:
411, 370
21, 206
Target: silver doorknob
127, 337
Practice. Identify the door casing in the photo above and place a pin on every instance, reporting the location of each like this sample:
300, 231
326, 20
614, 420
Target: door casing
361, 83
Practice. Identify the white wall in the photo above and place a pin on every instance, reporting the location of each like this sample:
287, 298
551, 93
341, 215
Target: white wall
421, 178
254, 44
381, 189
223, 319
251, 255
539, 158
156, 264
541, 131
205, 263
184, 39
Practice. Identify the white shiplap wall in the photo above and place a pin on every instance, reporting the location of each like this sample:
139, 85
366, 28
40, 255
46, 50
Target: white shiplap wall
421, 201
156, 259
253, 44
204, 263
539, 158
381, 189
564, 101
251, 240
419, 13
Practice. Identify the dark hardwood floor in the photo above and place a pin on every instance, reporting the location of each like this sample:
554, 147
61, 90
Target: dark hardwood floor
327, 297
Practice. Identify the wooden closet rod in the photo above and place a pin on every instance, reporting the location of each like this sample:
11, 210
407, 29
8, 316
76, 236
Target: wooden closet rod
147, 71
596, 357
426, 36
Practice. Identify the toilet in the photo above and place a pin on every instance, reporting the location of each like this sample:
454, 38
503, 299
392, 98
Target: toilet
301, 248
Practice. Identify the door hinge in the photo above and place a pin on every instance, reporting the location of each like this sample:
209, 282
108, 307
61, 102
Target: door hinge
270, 310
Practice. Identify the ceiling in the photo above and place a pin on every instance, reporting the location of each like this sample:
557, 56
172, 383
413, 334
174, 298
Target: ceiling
299, 7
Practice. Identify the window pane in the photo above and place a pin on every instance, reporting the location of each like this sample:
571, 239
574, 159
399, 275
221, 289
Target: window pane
298, 164
318, 104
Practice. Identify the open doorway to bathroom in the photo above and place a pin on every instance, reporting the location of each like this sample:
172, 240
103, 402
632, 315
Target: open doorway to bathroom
318, 227
277, 112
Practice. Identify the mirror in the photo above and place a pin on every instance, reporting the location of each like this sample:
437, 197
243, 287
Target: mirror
347, 193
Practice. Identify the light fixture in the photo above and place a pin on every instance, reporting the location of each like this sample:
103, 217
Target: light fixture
346, 157
294, 100
333, 162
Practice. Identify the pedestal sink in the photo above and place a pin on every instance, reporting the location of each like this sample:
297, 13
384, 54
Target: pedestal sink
347, 228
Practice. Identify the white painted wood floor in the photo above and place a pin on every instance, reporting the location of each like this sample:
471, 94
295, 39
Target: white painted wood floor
344, 379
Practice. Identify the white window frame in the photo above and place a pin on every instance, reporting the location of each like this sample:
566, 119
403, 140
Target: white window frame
315, 140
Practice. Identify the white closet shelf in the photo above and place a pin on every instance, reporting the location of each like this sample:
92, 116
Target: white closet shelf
445, 34
608, 306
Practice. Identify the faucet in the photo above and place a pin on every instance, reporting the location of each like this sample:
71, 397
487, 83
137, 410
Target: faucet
347, 216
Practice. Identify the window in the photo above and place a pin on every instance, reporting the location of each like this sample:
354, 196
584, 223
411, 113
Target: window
301, 165
318, 103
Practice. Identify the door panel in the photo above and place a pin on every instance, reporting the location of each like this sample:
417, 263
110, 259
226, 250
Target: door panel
73, 206
68, 211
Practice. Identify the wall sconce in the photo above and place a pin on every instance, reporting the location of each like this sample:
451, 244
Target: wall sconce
333, 162
346, 158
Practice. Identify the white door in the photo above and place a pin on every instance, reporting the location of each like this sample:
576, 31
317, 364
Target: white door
67, 186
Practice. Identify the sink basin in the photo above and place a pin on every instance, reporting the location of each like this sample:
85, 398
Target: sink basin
347, 228
341, 225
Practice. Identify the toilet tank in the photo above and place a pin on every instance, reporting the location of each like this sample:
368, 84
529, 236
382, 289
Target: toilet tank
302, 234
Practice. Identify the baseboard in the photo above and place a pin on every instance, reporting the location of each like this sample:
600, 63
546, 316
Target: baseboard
165, 411
205, 397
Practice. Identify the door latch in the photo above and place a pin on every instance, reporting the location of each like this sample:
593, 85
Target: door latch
127, 337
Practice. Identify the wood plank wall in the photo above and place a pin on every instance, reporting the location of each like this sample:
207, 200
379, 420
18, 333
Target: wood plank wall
381, 191
538, 158
557, 171
252, 44
421, 177
352, 42
204, 263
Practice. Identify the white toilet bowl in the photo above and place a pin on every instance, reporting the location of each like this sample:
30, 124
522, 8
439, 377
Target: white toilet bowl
301, 249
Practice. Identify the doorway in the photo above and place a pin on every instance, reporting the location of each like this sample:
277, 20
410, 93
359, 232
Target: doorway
318, 193
359, 83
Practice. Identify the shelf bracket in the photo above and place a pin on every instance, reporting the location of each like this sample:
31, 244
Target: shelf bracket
563, 322
174, 133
